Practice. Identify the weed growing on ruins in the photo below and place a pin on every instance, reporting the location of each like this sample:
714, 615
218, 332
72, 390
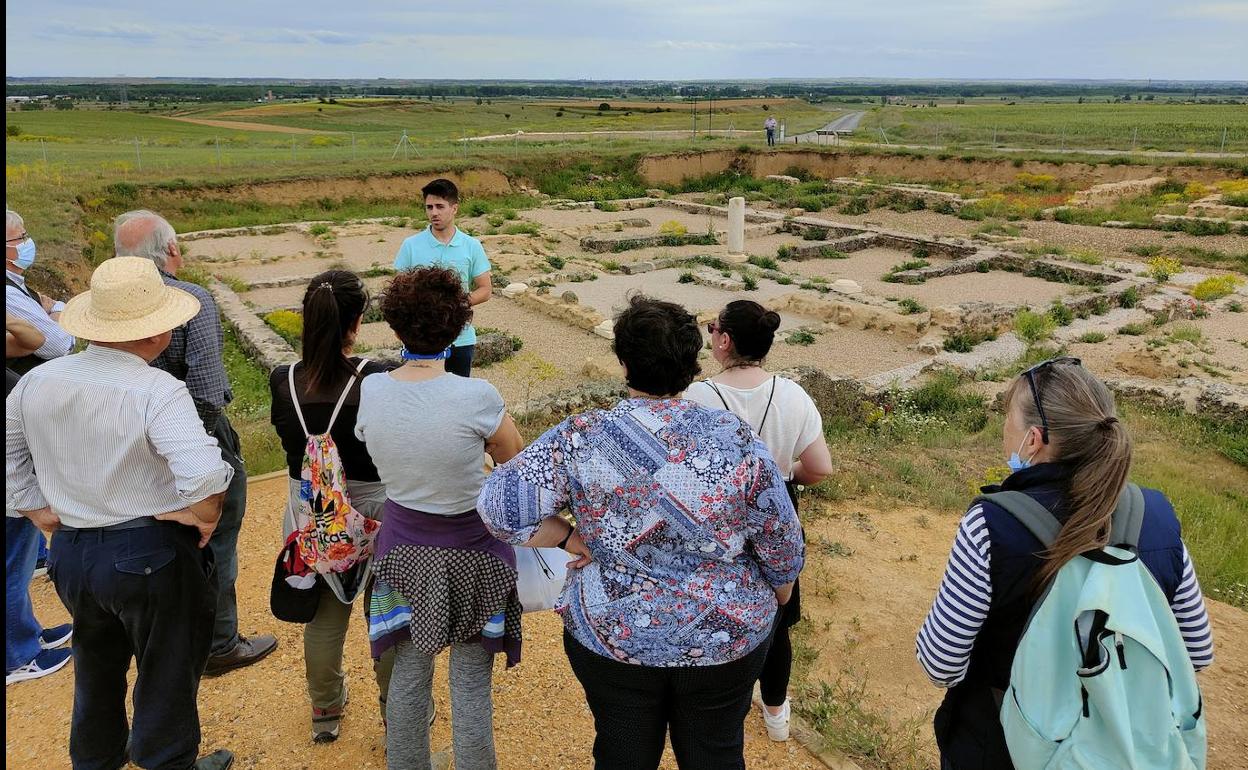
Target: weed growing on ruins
1150, 250
827, 252
783, 280
377, 271
910, 306
1061, 314
767, 263
1032, 328
685, 277
318, 229
998, 227
1216, 287
1161, 268
1133, 329
1091, 337
1197, 226
910, 264
523, 228
801, 337
963, 340
842, 714
815, 234
920, 253
749, 281
288, 324
786, 252
1087, 257
1129, 298
1185, 333
673, 227
858, 204
555, 262
1235, 306
610, 265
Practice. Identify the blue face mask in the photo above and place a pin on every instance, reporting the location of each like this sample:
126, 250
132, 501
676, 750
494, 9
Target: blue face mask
25, 254
1016, 462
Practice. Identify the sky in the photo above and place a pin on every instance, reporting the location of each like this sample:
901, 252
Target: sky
631, 39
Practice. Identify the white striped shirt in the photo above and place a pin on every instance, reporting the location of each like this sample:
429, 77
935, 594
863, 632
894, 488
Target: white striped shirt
103, 438
948, 635
56, 341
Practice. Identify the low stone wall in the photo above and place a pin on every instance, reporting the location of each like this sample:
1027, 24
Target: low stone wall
1176, 221
603, 245
261, 343
852, 314
570, 313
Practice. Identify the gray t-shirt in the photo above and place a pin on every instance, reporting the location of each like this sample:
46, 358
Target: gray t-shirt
427, 439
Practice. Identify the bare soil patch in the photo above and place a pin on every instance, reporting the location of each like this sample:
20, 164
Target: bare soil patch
243, 125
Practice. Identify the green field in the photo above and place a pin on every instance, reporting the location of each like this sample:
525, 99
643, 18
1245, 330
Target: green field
1141, 126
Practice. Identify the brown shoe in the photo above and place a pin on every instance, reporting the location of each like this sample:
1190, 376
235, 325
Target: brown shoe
246, 652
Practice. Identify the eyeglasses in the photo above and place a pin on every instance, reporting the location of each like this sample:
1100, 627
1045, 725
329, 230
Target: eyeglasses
1030, 374
18, 239
712, 328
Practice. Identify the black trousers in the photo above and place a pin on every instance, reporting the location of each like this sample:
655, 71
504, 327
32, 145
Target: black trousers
633, 707
460, 361
147, 593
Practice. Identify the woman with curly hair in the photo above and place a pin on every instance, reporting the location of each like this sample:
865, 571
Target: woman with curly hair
440, 579
692, 544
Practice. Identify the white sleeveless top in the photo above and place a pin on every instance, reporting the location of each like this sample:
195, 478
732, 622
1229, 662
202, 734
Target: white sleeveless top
787, 426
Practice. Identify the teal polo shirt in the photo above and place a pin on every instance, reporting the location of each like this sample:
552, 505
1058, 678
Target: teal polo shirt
463, 254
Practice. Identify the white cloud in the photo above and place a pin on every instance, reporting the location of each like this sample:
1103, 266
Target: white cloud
1234, 12
724, 45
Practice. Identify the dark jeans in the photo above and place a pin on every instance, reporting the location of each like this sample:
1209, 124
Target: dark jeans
633, 707
145, 593
771, 137
460, 361
224, 542
773, 682
21, 630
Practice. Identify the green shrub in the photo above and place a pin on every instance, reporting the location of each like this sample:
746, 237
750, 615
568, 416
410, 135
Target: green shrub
827, 252
1092, 337
1235, 306
767, 263
910, 264
1133, 330
1129, 298
495, 220
318, 229
685, 277
784, 280
963, 340
1087, 257
1100, 307
1145, 251
1215, 287
858, 204
749, 281
556, 262
1061, 315
1186, 333
910, 306
786, 252
509, 214
523, 228
920, 253
672, 227
1032, 328
1235, 199
815, 234
288, 324
801, 337
476, 208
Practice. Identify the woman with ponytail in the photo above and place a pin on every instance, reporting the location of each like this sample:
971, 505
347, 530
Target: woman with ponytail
333, 307
1068, 451
788, 423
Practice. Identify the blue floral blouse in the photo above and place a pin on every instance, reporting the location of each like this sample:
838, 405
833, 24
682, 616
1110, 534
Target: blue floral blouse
687, 518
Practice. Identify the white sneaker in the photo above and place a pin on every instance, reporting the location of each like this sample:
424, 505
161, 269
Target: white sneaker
777, 724
46, 662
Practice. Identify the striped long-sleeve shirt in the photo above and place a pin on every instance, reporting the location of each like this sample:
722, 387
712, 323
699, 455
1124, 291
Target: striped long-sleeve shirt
948, 635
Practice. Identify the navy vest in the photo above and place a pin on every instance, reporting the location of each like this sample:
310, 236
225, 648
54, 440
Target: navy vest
968, 727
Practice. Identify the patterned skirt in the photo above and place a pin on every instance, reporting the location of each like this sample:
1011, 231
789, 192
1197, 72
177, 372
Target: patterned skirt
436, 593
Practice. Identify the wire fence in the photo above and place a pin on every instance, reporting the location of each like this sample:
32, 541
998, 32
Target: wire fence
1182, 139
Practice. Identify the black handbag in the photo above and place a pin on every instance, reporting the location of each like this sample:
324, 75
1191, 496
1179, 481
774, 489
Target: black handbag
289, 602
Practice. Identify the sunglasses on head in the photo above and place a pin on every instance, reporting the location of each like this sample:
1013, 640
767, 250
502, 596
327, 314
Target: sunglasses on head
712, 328
1031, 373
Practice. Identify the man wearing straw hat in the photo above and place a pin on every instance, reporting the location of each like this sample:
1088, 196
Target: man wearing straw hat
109, 455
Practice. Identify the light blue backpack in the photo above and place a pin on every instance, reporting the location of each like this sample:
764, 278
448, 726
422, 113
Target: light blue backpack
1101, 678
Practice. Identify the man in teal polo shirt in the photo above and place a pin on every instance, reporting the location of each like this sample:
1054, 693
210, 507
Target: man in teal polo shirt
444, 245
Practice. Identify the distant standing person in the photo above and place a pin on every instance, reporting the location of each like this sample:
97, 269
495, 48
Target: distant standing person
770, 125
194, 356
443, 244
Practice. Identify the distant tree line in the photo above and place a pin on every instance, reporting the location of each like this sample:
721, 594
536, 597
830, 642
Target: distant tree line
159, 92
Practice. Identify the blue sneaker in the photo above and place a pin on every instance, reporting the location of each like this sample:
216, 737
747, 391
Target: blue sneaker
46, 662
51, 638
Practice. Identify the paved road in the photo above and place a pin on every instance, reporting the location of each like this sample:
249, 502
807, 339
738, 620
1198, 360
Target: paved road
845, 124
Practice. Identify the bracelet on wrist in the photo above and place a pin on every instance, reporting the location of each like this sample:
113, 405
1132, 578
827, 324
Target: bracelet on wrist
564, 542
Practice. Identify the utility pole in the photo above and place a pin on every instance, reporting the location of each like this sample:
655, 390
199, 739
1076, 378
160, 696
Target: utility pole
693, 113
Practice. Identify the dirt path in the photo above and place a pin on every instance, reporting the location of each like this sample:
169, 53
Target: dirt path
242, 125
869, 581
261, 712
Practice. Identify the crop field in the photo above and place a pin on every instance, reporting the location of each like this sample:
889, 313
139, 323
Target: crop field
1127, 126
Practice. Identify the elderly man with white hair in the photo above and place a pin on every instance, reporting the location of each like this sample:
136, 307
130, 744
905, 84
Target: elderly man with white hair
41, 311
194, 356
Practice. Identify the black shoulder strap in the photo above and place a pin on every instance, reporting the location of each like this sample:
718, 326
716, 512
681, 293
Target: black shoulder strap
29, 292
1038, 520
722, 400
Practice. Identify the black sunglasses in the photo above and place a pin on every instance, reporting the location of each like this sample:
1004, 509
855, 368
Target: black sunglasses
1030, 374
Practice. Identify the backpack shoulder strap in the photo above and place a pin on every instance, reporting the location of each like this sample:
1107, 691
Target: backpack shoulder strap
342, 399
722, 400
1128, 518
1038, 520
294, 399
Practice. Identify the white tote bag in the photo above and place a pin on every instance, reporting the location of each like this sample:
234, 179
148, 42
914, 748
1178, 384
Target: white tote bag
542, 572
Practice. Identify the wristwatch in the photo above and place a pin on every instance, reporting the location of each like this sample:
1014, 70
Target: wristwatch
564, 542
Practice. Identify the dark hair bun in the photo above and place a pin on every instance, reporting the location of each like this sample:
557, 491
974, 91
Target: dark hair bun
751, 327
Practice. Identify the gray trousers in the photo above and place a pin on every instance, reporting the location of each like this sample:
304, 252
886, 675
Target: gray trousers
472, 708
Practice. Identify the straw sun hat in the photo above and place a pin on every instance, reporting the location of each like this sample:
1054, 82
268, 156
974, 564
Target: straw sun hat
128, 301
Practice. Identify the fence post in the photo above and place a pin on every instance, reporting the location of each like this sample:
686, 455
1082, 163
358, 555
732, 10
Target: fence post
292, 149
352, 145
994, 136
1063, 137
218, 142
1222, 147
1135, 134
138, 157
44, 147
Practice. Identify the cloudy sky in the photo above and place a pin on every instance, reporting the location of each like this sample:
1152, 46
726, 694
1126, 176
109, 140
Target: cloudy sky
625, 39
